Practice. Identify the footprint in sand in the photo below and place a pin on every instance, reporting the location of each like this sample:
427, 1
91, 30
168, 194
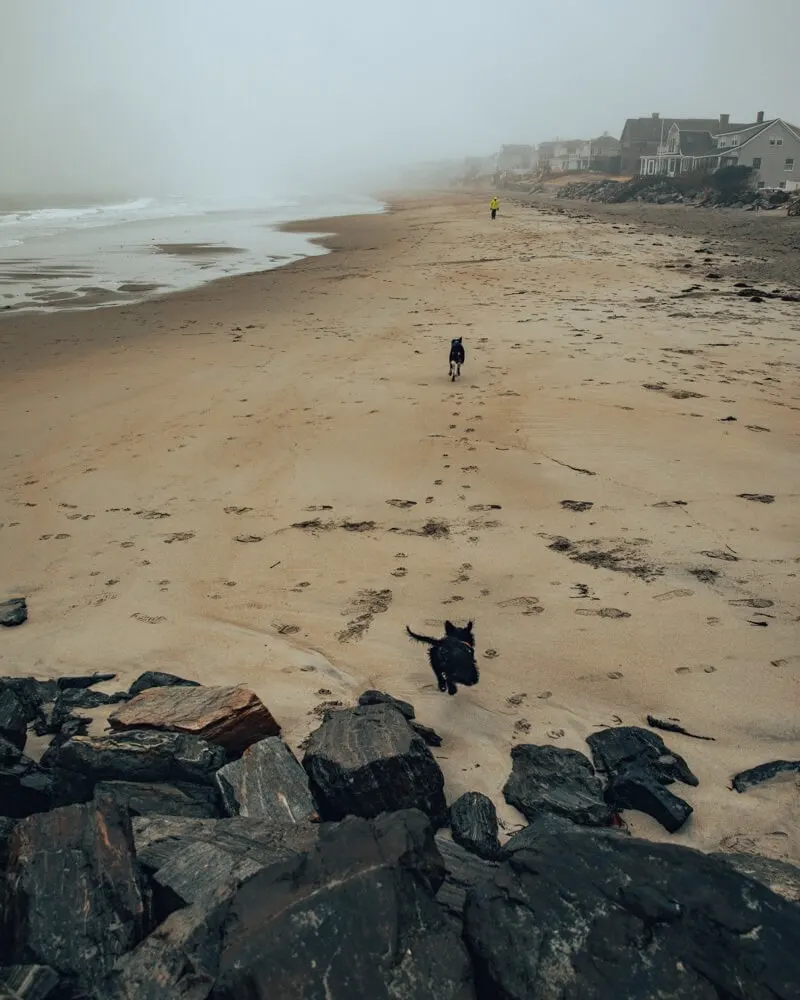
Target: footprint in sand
245, 539
603, 612
179, 536
286, 629
526, 605
402, 504
400, 571
148, 619
670, 595
752, 602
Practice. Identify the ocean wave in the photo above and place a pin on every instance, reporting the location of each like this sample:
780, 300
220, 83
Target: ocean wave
74, 214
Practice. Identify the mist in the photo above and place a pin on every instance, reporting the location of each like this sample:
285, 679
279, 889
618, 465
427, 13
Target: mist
247, 98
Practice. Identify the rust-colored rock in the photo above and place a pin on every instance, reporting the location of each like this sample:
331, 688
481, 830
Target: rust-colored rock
231, 717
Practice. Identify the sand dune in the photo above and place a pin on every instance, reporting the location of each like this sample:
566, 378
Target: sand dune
234, 484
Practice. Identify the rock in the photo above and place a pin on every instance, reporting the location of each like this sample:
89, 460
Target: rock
353, 918
763, 772
74, 898
162, 799
14, 718
31, 982
154, 678
431, 737
6, 827
581, 915
27, 788
179, 960
268, 782
13, 612
546, 779
80, 697
405, 708
366, 760
32, 693
232, 717
638, 789
83, 681
782, 877
190, 858
138, 755
59, 719
473, 824
463, 870
616, 749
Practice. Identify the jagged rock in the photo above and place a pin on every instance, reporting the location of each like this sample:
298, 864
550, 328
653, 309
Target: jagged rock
431, 737
84, 697
546, 779
6, 826
367, 760
763, 772
381, 698
58, 719
637, 789
232, 717
616, 749
81, 681
473, 824
190, 858
14, 718
161, 799
353, 918
782, 877
74, 898
13, 612
463, 870
268, 782
582, 915
154, 678
27, 788
138, 755
32, 693
179, 960
31, 982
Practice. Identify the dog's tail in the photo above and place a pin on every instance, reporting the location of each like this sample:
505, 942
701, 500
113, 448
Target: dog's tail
423, 638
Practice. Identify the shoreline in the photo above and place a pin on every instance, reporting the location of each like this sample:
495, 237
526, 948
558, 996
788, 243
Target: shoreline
237, 484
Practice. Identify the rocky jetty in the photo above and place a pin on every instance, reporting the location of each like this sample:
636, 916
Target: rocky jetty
174, 860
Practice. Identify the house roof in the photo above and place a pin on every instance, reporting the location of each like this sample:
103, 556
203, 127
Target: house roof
649, 129
608, 139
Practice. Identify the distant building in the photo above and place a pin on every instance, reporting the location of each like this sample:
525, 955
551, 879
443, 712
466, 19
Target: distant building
771, 148
516, 159
573, 155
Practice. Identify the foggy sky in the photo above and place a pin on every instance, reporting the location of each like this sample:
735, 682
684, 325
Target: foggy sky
226, 97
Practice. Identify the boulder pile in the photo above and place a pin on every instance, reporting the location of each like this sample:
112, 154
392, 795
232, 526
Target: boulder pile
674, 191
189, 855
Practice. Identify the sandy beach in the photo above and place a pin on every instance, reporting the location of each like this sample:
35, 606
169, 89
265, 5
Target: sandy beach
263, 480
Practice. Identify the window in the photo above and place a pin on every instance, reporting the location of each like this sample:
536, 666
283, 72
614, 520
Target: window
762, 184
779, 142
756, 162
788, 164
781, 184
735, 140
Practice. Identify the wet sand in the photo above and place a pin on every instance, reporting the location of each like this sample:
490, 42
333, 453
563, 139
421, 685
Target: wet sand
264, 480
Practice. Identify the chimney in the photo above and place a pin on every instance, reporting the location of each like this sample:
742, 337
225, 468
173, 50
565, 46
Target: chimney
760, 117
724, 121
655, 114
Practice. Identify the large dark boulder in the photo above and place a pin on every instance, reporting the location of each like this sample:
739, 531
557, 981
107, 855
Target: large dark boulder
547, 779
155, 678
188, 859
180, 959
367, 760
138, 755
27, 788
405, 708
179, 798
463, 870
353, 918
782, 877
82, 681
14, 718
619, 748
764, 772
639, 765
75, 902
473, 824
582, 915
268, 782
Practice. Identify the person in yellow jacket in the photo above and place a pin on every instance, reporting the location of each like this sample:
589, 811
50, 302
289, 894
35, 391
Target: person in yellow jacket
494, 205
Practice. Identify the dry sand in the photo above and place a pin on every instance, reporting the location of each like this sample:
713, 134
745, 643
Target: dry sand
158, 458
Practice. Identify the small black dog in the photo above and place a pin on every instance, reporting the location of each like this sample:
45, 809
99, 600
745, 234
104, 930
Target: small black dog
457, 357
453, 657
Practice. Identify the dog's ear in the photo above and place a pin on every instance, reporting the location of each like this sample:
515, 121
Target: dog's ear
450, 628
468, 627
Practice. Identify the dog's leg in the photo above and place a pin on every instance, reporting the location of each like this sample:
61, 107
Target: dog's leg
440, 678
451, 687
